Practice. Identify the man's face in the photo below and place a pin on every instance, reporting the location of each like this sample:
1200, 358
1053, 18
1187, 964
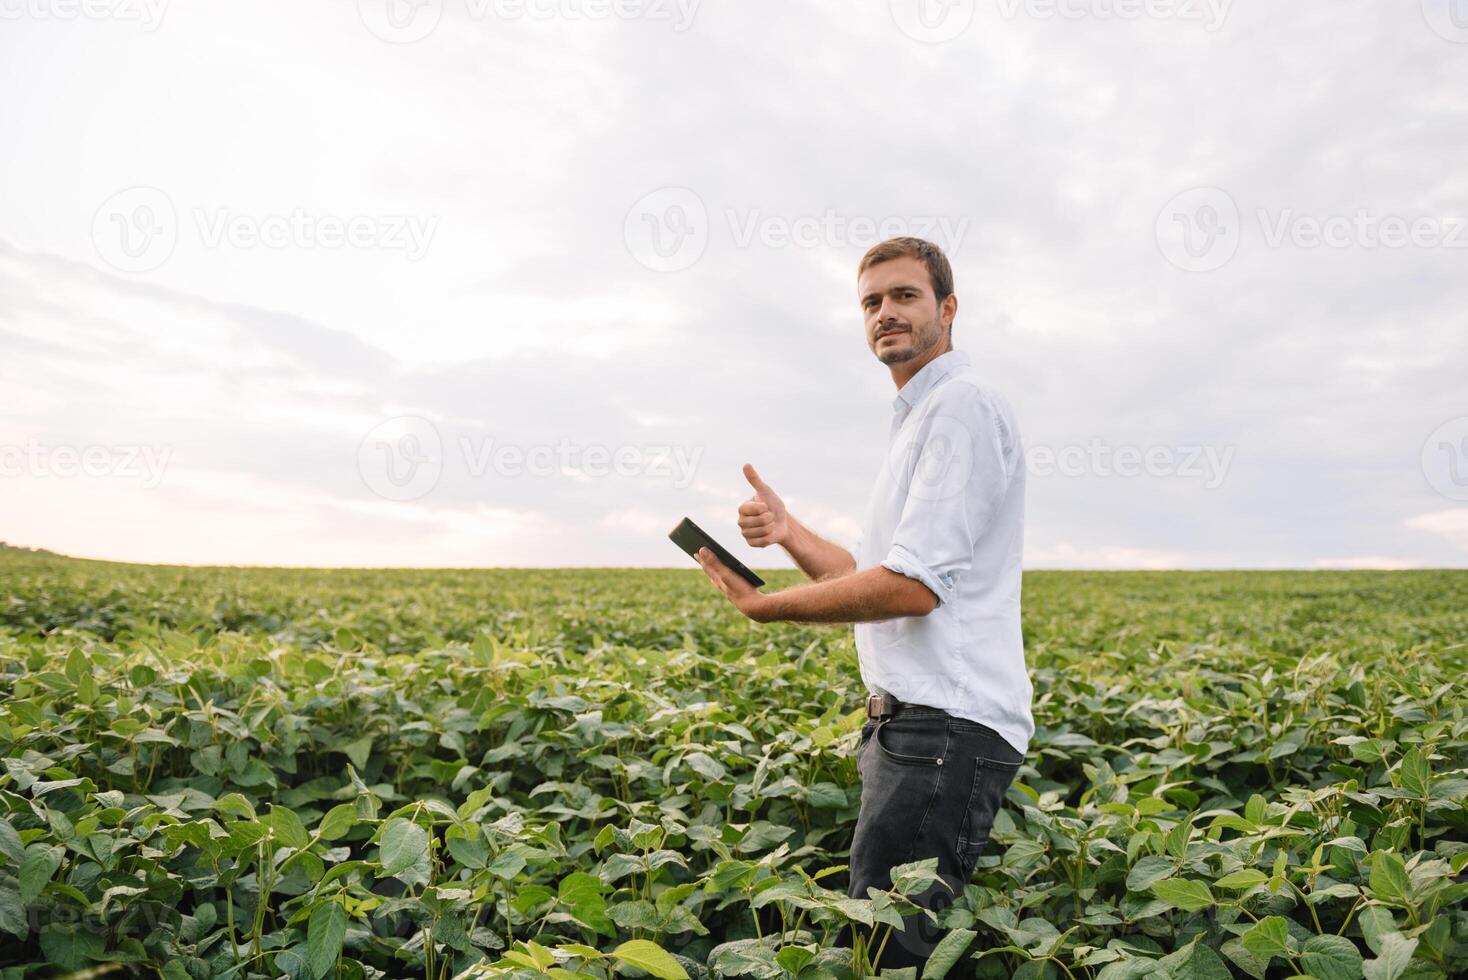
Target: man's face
904, 320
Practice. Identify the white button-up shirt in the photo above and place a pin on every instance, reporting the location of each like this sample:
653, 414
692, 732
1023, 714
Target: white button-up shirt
947, 509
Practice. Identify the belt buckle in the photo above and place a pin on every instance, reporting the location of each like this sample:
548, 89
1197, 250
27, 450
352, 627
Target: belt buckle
879, 705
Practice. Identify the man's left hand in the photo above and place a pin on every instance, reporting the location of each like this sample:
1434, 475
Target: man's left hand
745, 597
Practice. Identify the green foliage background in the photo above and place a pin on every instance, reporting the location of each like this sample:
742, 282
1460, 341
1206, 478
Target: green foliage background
587, 773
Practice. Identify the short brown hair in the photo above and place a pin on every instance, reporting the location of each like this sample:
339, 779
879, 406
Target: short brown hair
939, 271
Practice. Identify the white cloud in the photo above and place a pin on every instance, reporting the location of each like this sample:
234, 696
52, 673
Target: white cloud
1450, 525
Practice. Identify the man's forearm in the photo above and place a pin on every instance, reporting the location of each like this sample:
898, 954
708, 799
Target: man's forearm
818, 558
877, 593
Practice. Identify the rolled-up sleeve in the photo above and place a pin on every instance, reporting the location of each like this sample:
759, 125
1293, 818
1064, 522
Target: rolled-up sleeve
956, 472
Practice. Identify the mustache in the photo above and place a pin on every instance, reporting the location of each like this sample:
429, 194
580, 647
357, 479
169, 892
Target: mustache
890, 328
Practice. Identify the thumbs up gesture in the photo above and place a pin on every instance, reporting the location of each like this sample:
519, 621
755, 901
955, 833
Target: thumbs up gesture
763, 518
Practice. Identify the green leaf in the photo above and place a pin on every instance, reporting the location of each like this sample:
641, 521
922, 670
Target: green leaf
795, 958
650, 957
1396, 953
1331, 958
471, 852
1369, 750
324, 933
338, 822
39, 864
12, 912
10, 844
1185, 894
287, 827
359, 751
1195, 961
1242, 880
946, 953
581, 894
1148, 871
1269, 937
1376, 922
1389, 879
403, 844
1414, 773
640, 915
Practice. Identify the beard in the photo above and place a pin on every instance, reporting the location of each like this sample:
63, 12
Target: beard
920, 342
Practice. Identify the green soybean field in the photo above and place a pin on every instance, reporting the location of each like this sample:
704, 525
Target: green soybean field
584, 774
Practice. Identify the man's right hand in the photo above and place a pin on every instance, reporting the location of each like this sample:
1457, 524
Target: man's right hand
763, 517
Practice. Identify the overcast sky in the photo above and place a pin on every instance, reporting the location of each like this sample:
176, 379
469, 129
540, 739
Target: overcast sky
523, 282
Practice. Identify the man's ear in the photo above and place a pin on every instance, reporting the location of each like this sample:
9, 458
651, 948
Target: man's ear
950, 309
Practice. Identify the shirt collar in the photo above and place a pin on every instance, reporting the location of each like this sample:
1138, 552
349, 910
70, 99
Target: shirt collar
928, 375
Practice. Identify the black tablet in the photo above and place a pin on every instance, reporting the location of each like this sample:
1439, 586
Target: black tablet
690, 537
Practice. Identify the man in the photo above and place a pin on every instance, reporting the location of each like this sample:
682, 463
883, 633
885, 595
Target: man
933, 588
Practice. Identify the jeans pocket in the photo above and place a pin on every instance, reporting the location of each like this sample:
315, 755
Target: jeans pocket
991, 779
916, 741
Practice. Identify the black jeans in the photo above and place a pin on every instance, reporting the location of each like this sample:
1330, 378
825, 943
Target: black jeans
931, 783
